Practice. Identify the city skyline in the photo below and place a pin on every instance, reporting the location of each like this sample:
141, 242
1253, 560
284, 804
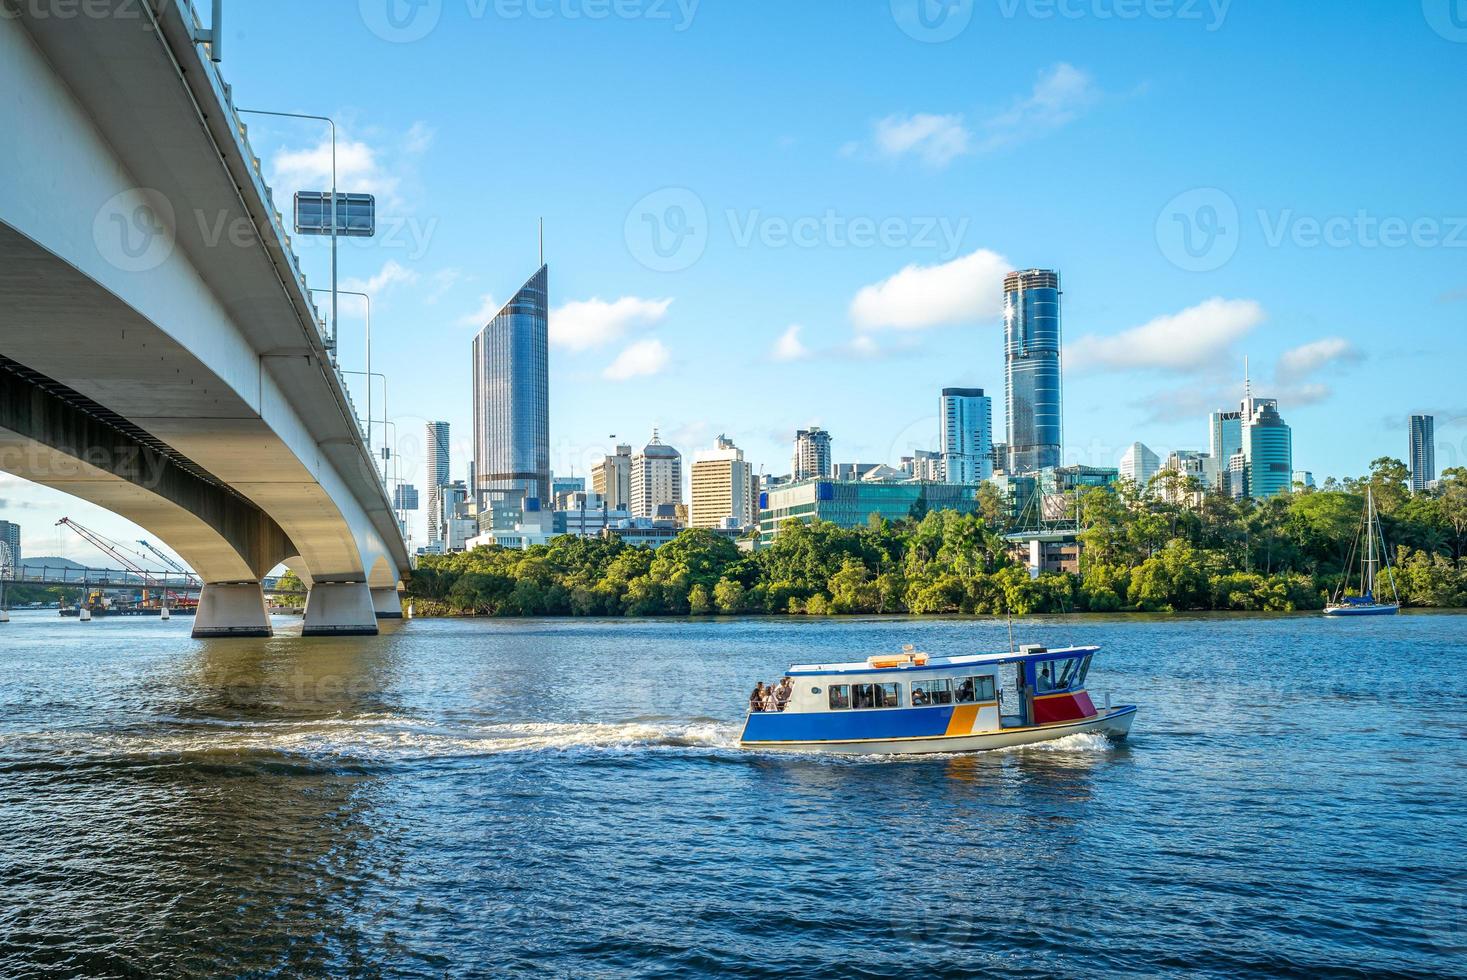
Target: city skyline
935, 143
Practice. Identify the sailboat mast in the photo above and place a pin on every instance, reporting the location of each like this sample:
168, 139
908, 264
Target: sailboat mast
1370, 541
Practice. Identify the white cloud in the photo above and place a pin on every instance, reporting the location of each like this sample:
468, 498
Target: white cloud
963, 290
362, 167
392, 273
789, 347
584, 324
1308, 358
1193, 339
358, 170
1059, 96
488, 310
443, 280
642, 359
419, 138
937, 140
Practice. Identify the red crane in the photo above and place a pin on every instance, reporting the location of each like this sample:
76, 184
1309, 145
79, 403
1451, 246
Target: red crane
122, 555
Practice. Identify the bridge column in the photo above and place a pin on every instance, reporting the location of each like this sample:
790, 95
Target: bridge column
387, 603
339, 609
231, 609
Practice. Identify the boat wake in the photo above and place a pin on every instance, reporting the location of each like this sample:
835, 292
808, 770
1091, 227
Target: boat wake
379, 738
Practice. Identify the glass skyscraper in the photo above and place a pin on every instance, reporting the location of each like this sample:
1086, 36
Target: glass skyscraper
512, 398
1031, 321
1423, 451
966, 424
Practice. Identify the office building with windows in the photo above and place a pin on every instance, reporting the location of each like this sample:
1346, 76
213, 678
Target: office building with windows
404, 497
812, 458
851, 504
966, 420
1139, 465
1224, 438
1032, 371
512, 398
1268, 450
723, 488
435, 442
1423, 452
10, 538
656, 478
612, 478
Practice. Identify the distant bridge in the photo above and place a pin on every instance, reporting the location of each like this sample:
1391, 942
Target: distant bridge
160, 355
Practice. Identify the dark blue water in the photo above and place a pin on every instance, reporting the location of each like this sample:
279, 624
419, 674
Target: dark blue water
490, 798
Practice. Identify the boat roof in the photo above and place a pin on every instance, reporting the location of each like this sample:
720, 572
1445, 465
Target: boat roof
936, 663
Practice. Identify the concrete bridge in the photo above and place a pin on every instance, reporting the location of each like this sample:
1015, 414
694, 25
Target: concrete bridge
160, 355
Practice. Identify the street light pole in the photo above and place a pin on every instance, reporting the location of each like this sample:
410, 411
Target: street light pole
368, 300
334, 221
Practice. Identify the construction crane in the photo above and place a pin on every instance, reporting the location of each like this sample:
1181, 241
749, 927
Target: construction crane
187, 574
125, 557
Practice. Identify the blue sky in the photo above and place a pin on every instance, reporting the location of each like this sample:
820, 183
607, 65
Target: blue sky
763, 215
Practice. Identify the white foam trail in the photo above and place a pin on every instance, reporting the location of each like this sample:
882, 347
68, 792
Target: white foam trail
385, 738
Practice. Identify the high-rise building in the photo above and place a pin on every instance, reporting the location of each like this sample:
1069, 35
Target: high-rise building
1268, 450
512, 398
436, 441
1140, 464
923, 465
966, 418
657, 478
812, 454
1186, 463
404, 497
723, 488
1032, 339
1225, 437
10, 537
1423, 451
612, 478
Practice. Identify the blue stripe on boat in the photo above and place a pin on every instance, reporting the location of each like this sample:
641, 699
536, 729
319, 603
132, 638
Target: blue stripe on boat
825, 726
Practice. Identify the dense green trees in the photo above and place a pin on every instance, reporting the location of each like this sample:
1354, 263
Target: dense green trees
1139, 553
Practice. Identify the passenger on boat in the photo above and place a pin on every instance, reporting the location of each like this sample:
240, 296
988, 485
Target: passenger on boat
756, 700
782, 693
769, 703
965, 691
919, 697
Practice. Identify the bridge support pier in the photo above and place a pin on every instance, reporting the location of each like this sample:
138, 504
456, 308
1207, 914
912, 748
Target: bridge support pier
231, 609
339, 609
386, 603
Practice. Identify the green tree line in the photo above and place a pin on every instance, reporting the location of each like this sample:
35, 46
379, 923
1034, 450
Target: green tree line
1139, 552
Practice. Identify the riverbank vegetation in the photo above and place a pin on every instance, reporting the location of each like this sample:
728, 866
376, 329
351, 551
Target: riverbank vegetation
1139, 553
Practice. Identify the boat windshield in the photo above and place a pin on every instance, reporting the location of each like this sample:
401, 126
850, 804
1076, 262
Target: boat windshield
1052, 676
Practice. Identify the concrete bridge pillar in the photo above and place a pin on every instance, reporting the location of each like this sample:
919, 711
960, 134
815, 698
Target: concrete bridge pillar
231, 609
339, 609
387, 603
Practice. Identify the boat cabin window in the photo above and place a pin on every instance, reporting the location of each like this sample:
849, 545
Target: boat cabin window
877, 695
926, 693
1061, 675
972, 690
840, 696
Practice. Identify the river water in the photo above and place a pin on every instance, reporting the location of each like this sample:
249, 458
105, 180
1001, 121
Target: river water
507, 797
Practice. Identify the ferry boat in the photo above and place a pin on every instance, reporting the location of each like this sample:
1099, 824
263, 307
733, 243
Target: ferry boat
910, 703
1366, 604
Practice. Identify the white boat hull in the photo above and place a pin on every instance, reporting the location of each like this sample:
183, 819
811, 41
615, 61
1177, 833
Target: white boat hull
1115, 723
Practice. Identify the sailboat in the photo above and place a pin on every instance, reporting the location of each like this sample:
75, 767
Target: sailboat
1366, 604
